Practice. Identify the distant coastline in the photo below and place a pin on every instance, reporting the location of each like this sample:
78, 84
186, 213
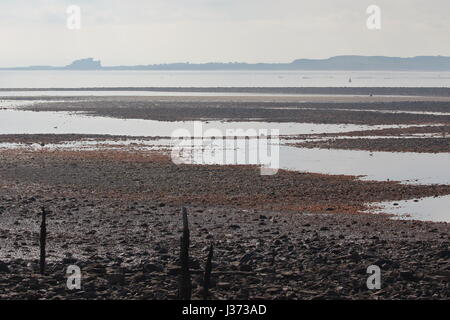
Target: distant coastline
363, 91
338, 63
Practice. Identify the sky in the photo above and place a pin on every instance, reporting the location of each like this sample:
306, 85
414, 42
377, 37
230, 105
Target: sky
136, 32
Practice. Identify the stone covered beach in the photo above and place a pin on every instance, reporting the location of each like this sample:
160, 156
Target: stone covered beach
114, 208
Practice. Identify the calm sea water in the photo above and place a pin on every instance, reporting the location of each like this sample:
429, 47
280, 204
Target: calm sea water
425, 209
76, 79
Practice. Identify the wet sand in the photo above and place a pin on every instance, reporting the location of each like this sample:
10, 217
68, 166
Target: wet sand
303, 109
442, 130
420, 145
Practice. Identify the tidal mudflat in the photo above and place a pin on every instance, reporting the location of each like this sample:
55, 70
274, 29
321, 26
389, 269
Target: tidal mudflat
101, 166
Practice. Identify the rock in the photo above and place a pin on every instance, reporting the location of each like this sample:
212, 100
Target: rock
223, 285
194, 264
265, 270
152, 267
69, 260
444, 254
138, 277
247, 257
4, 267
246, 267
277, 242
96, 269
173, 270
116, 278
161, 250
407, 275
273, 290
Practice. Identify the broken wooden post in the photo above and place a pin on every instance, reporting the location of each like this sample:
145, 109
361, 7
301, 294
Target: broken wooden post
185, 289
207, 275
43, 238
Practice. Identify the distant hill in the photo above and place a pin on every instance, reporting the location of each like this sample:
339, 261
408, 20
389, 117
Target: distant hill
85, 64
421, 63
344, 63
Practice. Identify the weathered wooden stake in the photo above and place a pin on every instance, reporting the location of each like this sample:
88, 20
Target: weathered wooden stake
207, 276
43, 239
185, 289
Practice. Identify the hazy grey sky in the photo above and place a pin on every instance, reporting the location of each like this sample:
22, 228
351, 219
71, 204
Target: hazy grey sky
159, 31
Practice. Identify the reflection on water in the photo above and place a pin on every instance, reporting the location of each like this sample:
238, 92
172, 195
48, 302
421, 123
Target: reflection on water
29, 122
408, 167
425, 209
17, 103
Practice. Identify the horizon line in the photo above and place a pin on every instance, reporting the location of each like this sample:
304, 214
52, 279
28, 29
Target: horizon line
233, 62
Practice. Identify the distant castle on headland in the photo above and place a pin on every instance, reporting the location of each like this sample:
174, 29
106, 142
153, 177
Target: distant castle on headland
85, 64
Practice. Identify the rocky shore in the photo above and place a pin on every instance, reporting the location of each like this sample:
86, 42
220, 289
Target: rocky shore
294, 235
117, 217
427, 145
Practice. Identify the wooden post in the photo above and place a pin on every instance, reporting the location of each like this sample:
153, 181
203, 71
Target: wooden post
185, 289
207, 276
43, 239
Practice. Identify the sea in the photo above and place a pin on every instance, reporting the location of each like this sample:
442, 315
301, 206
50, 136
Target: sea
80, 79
